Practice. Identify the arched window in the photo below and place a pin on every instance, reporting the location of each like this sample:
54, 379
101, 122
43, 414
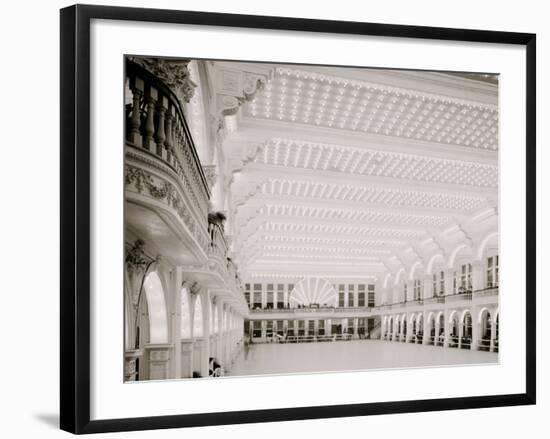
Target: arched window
467, 328
214, 319
185, 330
156, 306
198, 319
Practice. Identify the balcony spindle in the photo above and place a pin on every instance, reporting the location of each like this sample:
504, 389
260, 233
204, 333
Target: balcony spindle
160, 137
169, 142
134, 135
149, 130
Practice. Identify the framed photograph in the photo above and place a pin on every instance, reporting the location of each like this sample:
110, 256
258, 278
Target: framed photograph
272, 218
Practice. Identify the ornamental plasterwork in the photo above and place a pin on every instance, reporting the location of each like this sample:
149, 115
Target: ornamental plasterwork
136, 262
211, 174
234, 88
345, 218
377, 163
159, 189
187, 176
388, 196
173, 72
340, 103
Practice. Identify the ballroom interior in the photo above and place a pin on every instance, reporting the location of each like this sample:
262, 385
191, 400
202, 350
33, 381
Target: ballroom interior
286, 218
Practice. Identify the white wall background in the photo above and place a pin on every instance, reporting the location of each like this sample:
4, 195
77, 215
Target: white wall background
29, 151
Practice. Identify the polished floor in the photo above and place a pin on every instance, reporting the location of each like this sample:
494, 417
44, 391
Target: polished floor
259, 359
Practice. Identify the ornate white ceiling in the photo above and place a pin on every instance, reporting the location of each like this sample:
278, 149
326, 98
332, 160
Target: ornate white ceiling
302, 96
346, 172
379, 163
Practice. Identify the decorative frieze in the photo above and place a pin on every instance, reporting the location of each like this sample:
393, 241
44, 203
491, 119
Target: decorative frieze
143, 182
173, 72
211, 174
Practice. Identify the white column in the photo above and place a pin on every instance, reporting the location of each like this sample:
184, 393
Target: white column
475, 328
446, 325
460, 332
221, 335
176, 282
206, 332
186, 363
426, 329
427, 287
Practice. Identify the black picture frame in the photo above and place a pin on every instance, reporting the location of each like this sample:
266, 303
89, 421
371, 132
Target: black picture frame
75, 217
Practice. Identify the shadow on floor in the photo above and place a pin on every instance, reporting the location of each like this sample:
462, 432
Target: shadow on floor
50, 419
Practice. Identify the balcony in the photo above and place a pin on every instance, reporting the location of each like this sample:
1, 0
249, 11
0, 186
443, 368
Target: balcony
459, 297
165, 187
434, 299
486, 292
311, 312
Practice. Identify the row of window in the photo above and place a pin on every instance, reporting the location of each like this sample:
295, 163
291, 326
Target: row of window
462, 279
365, 295
349, 295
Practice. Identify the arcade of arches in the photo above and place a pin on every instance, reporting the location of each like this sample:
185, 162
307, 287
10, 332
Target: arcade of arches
272, 204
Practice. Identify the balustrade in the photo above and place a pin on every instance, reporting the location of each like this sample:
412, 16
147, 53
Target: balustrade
490, 291
467, 296
157, 134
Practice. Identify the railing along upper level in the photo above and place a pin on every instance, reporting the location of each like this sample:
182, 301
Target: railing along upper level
156, 125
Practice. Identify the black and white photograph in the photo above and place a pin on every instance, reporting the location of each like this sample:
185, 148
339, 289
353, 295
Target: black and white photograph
298, 218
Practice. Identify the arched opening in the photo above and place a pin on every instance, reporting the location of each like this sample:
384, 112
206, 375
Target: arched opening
390, 328
399, 334
420, 329
214, 315
185, 330
414, 328
466, 341
156, 309
453, 330
198, 330
404, 320
431, 328
486, 329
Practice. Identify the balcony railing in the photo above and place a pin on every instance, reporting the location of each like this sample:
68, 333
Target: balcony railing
450, 298
158, 138
434, 299
489, 291
304, 310
466, 296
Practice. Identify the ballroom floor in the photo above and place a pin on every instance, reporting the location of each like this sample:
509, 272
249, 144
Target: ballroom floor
348, 355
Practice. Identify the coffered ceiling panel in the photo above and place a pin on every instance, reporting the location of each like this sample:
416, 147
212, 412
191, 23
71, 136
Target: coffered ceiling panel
306, 97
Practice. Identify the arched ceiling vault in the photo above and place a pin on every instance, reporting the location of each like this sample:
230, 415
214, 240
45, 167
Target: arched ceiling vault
358, 171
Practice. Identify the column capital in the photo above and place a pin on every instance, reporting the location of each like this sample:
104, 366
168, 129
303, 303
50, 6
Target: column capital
173, 72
